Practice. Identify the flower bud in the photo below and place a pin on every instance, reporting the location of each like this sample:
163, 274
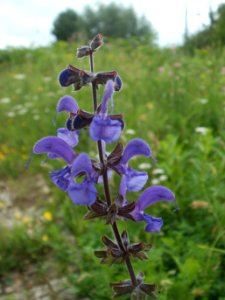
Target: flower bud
96, 42
118, 83
83, 51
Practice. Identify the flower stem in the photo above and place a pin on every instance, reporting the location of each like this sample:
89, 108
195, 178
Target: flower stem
107, 190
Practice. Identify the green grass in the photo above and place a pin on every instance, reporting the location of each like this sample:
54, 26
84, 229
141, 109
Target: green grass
166, 97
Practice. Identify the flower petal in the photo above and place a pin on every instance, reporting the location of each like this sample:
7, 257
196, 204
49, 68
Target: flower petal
123, 187
105, 129
61, 178
108, 93
56, 147
153, 224
135, 147
82, 164
83, 193
118, 83
122, 201
152, 195
135, 180
67, 103
70, 137
66, 77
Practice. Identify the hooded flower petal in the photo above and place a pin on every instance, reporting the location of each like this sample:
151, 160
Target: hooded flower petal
105, 129
70, 137
135, 180
108, 93
67, 103
150, 196
133, 148
83, 193
55, 147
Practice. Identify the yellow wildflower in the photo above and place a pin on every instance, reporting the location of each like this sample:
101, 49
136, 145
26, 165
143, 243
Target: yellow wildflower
47, 216
2, 156
45, 238
17, 215
150, 105
26, 220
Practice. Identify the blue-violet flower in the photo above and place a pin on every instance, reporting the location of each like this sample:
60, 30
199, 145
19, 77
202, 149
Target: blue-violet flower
134, 179
150, 196
103, 127
80, 193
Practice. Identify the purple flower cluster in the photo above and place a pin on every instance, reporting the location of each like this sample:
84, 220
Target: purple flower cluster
108, 129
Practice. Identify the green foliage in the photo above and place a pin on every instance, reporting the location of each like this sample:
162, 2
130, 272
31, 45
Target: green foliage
115, 21
111, 20
67, 25
219, 25
176, 103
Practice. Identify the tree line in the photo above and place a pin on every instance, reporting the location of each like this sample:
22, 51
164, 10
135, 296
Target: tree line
212, 35
111, 20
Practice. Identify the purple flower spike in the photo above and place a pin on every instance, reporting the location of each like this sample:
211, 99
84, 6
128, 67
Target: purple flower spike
55, 147
148, 197
83, 193
135, 180
67, 103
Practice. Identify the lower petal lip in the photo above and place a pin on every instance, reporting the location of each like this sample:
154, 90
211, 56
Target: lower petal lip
105, 129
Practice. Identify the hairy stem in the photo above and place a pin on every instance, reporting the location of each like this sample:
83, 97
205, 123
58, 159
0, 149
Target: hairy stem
107, 190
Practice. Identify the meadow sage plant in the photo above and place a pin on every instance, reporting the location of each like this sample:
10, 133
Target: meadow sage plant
104, 129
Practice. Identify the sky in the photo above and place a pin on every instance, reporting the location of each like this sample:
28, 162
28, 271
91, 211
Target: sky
28, 23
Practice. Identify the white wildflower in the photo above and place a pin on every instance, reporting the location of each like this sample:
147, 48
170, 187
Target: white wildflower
144, 166
36, 117
203, 101
5, 100
202, 130
47, 79
163, 177
155, 181
23, 111
20, 76
130, 131
158, 171
11, 114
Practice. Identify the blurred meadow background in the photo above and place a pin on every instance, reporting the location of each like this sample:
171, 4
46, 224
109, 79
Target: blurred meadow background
174, 98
